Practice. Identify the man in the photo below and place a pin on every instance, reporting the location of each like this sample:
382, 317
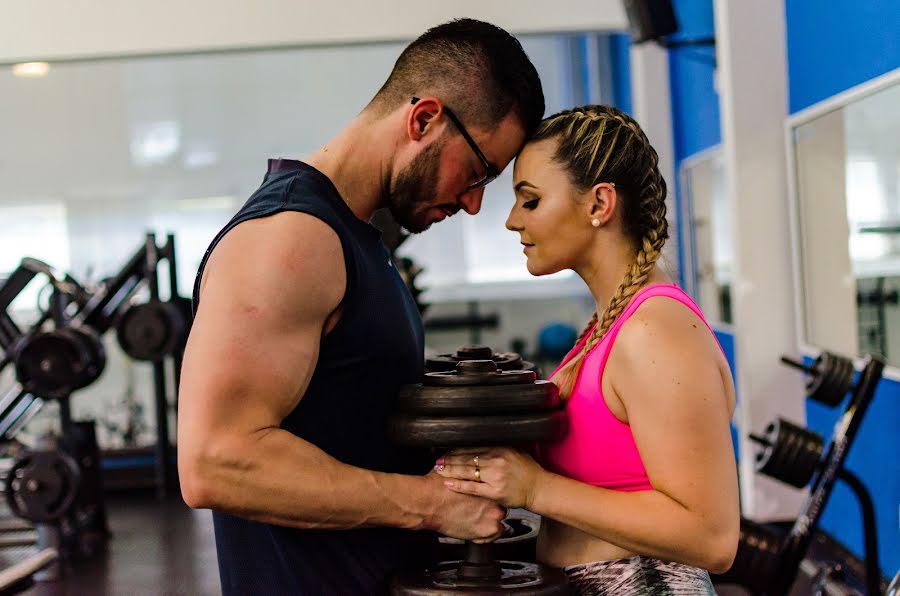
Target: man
303, 331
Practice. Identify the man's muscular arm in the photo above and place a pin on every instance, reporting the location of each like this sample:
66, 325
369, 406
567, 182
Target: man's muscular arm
269, 290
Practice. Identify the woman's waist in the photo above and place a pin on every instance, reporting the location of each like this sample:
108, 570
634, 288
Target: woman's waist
560, 545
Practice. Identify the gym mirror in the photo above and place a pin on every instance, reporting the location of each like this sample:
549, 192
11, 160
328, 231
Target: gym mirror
709, 252
846, 202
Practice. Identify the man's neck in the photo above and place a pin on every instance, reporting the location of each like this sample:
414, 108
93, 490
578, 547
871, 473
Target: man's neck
358, 162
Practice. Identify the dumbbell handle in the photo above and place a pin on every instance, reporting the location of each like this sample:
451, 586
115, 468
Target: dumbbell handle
759, 440
796, 364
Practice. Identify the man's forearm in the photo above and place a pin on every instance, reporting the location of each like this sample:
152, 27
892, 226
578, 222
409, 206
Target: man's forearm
276, 477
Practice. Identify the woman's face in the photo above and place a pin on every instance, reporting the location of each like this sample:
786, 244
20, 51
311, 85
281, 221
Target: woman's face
549, 214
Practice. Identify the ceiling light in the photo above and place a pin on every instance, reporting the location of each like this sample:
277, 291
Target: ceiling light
31, 70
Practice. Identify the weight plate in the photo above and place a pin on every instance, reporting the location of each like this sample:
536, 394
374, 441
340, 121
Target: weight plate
466, 374
791, 453
50, 363
504, 360
151, 331
515, 578
518, 543
478, 399
42, 486
830, 379
95, 353
477, 431
757, 559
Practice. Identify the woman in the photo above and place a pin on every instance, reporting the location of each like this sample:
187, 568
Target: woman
641, 496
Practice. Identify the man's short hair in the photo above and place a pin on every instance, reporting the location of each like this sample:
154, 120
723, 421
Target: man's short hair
477, 69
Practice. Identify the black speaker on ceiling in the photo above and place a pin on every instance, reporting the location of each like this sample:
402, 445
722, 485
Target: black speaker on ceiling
650, 20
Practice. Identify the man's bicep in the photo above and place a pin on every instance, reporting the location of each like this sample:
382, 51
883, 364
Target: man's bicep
255, 340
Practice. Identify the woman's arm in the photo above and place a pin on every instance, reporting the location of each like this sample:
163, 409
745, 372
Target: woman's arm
665, 370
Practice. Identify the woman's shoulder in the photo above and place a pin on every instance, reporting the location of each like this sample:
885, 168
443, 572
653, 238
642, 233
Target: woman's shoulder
663, 327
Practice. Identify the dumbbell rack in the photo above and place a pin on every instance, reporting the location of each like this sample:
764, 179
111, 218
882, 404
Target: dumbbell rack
106, 309
767, 562
94, 312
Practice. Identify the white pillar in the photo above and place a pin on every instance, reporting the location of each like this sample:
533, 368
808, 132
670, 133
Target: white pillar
750, 52
652, 107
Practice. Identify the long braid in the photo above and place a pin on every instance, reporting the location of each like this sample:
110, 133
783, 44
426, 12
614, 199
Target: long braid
597, 144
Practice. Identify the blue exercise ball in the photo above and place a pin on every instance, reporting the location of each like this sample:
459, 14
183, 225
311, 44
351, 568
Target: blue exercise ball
555, 340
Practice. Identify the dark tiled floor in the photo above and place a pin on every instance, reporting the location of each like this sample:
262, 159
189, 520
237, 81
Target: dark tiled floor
165, 548
157, 548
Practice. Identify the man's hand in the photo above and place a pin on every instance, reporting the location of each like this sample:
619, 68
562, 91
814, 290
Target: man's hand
464, 516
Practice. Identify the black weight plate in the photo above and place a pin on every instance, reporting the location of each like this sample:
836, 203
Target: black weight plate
477, 431
48, 363
518, 543
500, 377
42, 486
757, 559
474, 352
515, 578
792, 455
95, 356
151, 331
830, 380
478, 399
447, 362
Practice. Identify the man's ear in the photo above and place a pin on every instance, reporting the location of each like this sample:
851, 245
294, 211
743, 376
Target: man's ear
603, 201
421, 117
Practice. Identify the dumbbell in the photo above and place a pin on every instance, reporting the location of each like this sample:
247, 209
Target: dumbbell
478, 405
829, 378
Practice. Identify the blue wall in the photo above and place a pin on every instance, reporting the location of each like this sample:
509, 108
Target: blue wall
695, 104
833, 46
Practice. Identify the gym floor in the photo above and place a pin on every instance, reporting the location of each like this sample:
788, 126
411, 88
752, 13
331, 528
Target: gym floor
165, 548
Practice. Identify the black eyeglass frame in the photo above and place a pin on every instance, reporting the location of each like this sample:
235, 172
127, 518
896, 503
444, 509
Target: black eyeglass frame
490, 170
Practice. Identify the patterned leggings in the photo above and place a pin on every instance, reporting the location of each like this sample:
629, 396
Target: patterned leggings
638, 576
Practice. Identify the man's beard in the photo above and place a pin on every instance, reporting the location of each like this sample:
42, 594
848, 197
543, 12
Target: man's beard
410, 199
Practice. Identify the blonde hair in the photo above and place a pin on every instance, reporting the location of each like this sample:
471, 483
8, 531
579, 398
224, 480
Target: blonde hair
602, 144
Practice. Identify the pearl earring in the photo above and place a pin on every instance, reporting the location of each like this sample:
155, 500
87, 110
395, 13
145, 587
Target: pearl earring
595, 222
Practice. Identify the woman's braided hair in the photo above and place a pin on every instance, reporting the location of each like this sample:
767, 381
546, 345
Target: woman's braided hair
602, 144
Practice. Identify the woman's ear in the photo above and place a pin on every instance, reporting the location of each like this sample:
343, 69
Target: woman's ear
602, 203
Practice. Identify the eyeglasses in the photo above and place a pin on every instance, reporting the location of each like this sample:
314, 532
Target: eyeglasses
490, 170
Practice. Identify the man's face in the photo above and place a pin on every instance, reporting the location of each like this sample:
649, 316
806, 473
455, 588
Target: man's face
409, 198
435, 184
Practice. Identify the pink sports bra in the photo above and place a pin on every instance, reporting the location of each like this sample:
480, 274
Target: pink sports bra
599, 449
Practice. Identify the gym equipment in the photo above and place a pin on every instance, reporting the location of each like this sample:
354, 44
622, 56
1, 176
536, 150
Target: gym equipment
789, 453
416, 424
517, 543
767, 561
42, 485
52, 362
19, 577
152, 330
57, 362
555, 340
830, 377
503, 360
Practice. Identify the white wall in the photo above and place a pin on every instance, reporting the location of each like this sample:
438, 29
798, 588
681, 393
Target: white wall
751, 57
62, 29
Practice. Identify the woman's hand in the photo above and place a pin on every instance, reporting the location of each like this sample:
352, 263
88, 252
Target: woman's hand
505, 475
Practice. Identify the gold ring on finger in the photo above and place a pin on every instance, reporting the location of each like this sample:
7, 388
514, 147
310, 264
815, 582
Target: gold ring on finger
477, 474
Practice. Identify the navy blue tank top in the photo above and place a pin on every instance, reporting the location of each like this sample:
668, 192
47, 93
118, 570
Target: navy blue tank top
376, 346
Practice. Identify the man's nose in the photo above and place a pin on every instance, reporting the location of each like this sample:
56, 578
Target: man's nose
471, 200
